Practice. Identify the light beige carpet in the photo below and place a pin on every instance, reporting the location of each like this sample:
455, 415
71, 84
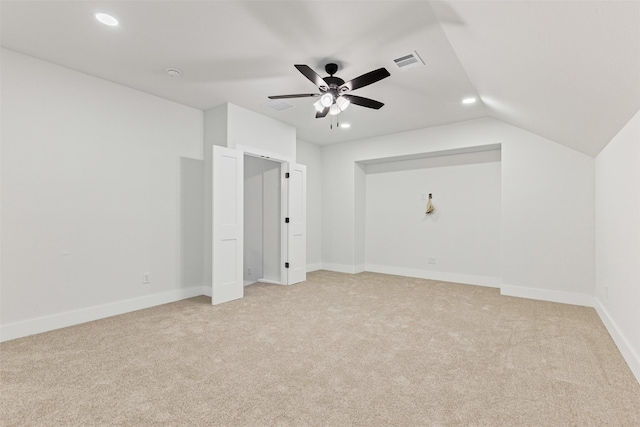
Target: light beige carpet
337, 350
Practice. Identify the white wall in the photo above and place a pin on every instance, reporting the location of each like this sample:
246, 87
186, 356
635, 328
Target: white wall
360, 217
96, 190
272, 221
216, 127
250, 129
253, 224
311, 155
338, 194
191, 219
548, 221
215, 133
547, 204
617, 205
463, 234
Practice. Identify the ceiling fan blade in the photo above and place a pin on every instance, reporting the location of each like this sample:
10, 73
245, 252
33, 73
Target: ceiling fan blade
298, 95
364, 102
313, 76
323, 113
365, 79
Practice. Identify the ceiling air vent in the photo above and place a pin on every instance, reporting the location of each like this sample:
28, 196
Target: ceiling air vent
411, 60
276, 104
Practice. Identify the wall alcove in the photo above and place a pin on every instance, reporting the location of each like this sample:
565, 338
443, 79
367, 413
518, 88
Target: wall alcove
460, 241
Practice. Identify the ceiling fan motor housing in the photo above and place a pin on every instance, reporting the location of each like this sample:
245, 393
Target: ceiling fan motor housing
331, 68
334, 85
333, 82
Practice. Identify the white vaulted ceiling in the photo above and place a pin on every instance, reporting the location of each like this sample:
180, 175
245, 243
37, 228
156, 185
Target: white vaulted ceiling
566, 70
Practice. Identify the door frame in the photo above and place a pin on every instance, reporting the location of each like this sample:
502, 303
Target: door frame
284, 240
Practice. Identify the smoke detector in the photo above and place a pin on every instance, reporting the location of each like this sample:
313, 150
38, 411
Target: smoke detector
409, 61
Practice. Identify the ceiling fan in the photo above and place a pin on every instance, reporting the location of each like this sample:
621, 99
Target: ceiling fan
333, 90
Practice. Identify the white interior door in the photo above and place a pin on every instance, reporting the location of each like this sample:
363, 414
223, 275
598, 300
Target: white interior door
228, 221
297, 225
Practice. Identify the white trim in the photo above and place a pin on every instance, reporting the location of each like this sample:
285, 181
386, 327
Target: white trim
284, 230
492, 282
258, 152
285, 162
359, 268
628, 353
62, 320
314, 267
270, 282
563, 297
339, 268
205, 290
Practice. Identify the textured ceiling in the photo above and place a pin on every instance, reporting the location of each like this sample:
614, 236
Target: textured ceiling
566, 70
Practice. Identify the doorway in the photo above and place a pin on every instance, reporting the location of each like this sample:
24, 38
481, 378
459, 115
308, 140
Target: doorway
262, 256
228, 222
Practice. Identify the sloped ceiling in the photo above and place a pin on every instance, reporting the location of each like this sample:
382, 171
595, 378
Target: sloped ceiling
566, 70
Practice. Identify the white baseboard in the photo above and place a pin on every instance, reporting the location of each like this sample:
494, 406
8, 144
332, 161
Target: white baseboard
628, 353
38, 325
314, 267
269, 282
359, 268
339, 268
492, 282
563, 297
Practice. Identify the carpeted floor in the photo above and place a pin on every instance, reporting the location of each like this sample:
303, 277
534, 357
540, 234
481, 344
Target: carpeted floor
337, 350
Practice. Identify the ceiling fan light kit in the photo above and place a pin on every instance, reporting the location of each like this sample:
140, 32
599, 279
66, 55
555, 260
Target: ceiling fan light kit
333, 90
326, 100
342, 103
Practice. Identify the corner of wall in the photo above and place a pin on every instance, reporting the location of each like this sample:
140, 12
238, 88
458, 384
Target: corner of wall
617, 240
619, 338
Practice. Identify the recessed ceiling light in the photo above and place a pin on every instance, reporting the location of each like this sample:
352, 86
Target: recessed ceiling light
345, 125
468, 100
106, 19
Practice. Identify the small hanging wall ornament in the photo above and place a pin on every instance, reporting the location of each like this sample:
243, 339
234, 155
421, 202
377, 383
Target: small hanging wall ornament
430, 207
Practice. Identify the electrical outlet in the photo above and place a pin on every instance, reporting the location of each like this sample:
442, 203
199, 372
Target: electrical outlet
248, 271
146, 278
432, 260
